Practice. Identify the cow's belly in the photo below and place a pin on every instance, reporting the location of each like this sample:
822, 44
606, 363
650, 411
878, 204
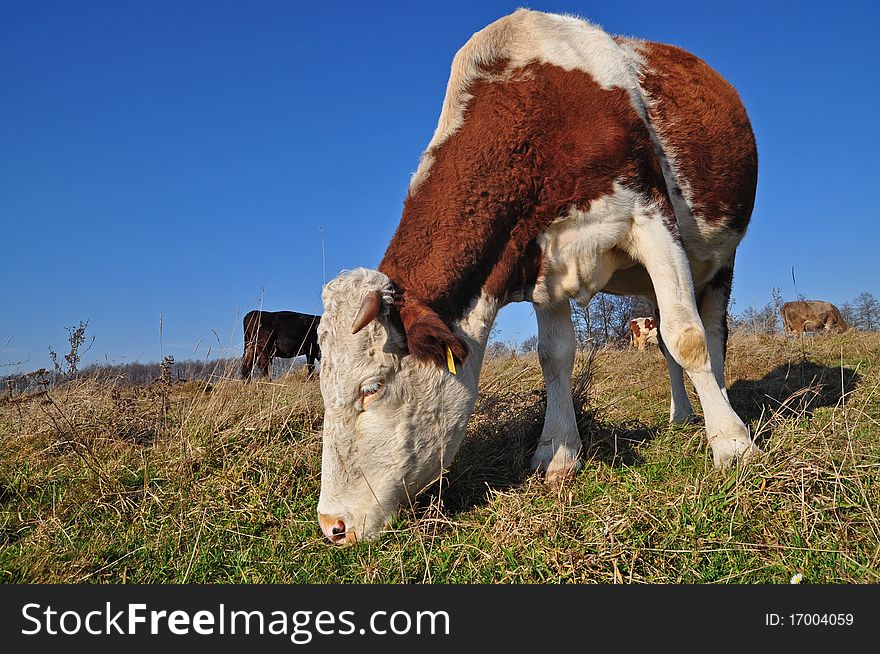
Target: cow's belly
634, 279
630, 280
588, 252
287, 348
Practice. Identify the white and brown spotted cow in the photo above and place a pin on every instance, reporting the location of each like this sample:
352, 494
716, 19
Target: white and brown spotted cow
642, 331
566, 162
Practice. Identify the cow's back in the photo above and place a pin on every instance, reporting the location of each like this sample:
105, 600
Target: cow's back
788, 310
807, 308
295, 332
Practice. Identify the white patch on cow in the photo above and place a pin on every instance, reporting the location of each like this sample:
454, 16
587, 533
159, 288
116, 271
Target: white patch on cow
378, 457
582, 249
524, 37
684, 335
680, 409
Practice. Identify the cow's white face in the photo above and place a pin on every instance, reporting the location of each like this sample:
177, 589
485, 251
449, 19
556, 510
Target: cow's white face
390, 422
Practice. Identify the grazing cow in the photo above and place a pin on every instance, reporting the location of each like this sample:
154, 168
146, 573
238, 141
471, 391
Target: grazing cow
566, 162
812, 316
285, 334
642, 331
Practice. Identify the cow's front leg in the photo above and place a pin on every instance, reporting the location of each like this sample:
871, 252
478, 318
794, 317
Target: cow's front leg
558, 451
680, 410
247, 362
263, 364
684, 336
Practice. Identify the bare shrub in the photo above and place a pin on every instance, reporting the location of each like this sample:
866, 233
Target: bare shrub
76, 336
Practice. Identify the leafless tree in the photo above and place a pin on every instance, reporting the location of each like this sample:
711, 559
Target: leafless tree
529, 345
761, 320
866, 308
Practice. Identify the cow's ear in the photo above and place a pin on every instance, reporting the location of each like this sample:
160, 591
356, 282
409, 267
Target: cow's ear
428, 337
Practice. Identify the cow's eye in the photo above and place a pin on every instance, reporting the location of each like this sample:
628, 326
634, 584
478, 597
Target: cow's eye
371, 391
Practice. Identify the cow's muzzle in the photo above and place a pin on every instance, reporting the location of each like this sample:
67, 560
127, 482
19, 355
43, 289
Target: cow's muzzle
334, 529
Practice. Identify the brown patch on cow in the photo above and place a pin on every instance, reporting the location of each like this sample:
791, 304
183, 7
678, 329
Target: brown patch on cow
700, 117
692, 348
634, 328
529, 149
495, 67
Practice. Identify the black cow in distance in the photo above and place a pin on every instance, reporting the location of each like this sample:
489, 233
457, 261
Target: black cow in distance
285, 334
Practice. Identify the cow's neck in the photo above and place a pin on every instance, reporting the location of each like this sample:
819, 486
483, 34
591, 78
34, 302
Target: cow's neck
460, 267
458, 393
450, 268
469, 225
475, 327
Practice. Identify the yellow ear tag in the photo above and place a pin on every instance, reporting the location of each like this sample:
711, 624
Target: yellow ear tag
450, 362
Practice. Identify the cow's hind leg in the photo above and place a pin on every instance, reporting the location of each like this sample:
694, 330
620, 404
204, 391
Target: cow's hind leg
558, 451
312, 354
684, 335
713, 312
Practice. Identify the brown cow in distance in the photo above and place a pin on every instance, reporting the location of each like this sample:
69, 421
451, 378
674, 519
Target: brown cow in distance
643, 331
285, 334
812, 316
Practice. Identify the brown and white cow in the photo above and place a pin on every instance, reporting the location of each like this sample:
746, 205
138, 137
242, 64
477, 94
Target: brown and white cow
642, 331
566, 162
812, 316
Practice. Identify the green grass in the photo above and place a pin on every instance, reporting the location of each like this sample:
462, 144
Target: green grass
101, 483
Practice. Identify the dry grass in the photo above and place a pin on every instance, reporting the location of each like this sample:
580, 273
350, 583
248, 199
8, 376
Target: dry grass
218, 482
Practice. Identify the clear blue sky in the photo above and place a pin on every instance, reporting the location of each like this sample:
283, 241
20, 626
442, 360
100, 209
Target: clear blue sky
183, 158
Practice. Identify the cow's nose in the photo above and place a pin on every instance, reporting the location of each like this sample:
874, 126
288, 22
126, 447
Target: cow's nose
334, 529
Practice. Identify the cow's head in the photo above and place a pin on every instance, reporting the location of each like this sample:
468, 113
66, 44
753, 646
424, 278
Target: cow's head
392, 420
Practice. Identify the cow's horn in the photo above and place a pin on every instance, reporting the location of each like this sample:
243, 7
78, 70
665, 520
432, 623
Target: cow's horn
369, 310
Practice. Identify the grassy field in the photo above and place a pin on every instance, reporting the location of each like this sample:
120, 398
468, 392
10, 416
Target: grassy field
204, 483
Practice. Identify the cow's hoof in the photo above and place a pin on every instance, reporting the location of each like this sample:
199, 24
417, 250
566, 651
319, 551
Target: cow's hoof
683, 419
564, 476
556, 464
728, 451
